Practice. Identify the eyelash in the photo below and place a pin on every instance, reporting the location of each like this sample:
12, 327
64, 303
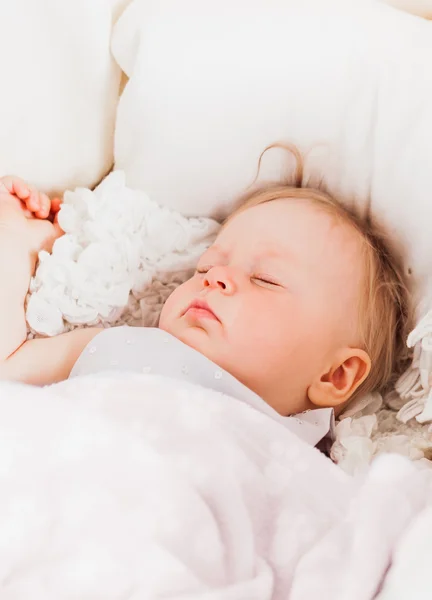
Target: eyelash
266, 279
262, 278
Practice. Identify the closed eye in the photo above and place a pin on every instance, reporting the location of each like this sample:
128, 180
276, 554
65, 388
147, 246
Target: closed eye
266, 279
260, 279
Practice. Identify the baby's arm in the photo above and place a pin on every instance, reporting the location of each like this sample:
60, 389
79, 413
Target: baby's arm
47, 360
40, 361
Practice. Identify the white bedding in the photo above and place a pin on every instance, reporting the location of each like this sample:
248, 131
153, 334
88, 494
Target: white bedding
140, 488
130, 486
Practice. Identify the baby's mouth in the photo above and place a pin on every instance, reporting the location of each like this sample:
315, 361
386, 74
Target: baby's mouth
200, 309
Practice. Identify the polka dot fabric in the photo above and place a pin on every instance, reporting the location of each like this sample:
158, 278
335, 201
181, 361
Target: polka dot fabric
149, 350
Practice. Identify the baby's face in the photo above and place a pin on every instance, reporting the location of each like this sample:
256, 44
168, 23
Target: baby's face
273, 299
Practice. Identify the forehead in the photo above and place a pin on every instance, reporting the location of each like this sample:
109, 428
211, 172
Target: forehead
295, 229
282, 222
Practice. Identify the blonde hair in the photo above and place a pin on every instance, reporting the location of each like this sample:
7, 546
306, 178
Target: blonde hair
385, 317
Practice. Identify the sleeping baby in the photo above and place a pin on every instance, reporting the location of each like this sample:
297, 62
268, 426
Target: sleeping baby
297, 307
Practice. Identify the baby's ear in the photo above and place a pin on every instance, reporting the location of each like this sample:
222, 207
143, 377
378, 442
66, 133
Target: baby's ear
334, 387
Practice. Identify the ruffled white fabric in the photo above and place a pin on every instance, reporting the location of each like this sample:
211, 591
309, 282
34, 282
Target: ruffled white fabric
414, 387
116, 243
359, 439
353, 448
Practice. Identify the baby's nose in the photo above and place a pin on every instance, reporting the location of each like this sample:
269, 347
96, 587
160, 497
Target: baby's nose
221, 278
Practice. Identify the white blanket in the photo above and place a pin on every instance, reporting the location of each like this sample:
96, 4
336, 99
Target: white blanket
137, 486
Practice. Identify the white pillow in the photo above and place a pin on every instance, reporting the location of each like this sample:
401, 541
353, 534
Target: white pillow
213, 83
59, 91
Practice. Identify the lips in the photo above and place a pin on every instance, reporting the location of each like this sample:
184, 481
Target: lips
201, 309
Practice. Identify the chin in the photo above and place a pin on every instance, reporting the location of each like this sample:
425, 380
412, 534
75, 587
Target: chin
198, 339
192, 335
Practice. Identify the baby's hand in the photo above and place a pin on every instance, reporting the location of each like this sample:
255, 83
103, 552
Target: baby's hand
30, 202
28, 213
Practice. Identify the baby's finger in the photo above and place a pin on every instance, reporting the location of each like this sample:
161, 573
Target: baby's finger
26, 212
17, 187
40, 204
32, 202
55, 204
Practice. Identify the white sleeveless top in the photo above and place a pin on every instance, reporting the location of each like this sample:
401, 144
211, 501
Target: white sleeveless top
152, 350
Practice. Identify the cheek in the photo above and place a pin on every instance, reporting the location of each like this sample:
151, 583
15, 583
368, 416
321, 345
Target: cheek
265, 323
278, 326
176, 302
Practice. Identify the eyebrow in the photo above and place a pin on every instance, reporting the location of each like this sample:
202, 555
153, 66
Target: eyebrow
268, 250
271, 252
274, 251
